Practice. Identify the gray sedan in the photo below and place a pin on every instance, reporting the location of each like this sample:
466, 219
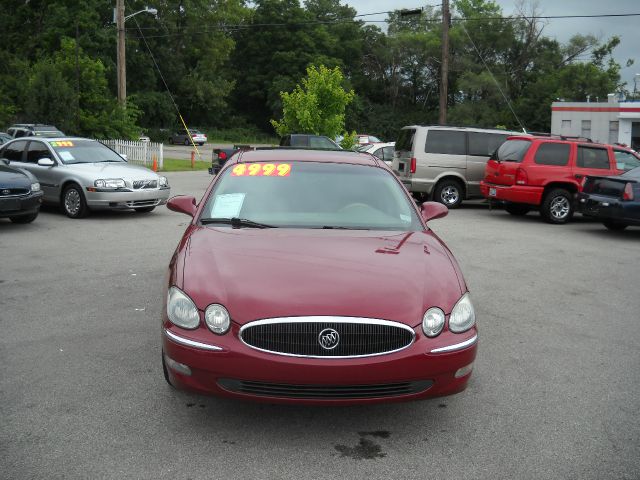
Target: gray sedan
82, 174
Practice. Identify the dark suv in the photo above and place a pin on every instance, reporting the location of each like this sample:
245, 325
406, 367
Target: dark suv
547, 172
308, 141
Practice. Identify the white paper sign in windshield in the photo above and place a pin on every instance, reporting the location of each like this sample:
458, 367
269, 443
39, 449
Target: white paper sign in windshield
228, 205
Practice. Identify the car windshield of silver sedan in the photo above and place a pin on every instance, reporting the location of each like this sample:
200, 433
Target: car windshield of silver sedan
309, 195
83, 151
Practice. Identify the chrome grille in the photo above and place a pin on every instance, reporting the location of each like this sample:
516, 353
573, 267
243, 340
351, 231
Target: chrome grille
142, 184
300, 336
280, 390
12, 192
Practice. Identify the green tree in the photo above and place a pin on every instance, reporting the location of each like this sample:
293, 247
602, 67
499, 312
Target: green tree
318, 106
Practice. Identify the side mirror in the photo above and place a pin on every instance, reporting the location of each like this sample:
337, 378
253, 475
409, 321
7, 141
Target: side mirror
184, 204
433, 210
46, 162
126, 159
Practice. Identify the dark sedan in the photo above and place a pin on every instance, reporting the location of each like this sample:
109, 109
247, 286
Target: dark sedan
614, 200
20, 194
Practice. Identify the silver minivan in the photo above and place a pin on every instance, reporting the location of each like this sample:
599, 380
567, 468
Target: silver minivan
445, 163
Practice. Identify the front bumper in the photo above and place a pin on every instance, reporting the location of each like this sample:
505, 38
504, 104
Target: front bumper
219, 364
512, 193
13, 206
126, 199
608, 208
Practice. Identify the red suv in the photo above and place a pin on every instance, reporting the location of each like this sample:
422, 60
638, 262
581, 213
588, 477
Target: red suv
547, 172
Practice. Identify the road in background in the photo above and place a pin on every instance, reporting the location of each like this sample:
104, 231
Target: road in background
183, 152
554, 393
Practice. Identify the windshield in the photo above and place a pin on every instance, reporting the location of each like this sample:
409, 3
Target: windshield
312, 195
84, 151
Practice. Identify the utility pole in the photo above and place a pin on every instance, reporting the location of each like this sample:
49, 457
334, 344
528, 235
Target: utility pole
444, 79
122, 66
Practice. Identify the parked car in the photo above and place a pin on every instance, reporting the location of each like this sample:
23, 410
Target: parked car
33, 129
219, 156
364, 139
182, 137
82, 175
237, 319
614, 200
4, 137
546, 172
308, 141
20, 194
384, 151
443, 163
144, 138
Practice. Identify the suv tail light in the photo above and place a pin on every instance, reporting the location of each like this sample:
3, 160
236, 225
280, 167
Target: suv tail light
222, 155
413, 164
521, 177
628, 192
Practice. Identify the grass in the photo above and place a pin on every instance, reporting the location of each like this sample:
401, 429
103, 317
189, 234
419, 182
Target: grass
178, 165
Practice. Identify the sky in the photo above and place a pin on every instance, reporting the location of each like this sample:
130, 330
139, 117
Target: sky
627, 28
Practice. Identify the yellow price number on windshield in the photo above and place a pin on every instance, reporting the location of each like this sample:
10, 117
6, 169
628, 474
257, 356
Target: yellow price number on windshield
261, 170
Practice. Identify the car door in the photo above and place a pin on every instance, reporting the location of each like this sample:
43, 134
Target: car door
49, 177
444, 153
592, 160
481, 147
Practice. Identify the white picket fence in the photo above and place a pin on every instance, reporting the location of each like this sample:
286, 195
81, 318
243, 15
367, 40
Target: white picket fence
141, 153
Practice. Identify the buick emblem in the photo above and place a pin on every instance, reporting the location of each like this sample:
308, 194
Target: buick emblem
329, 339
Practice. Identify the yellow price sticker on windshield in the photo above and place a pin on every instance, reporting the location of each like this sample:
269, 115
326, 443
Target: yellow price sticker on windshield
261, 170
65, 143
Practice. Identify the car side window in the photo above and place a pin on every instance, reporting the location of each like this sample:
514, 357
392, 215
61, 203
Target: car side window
550, 153
626, 160
13, 151
36, 151
590, 157
446, 142
387, 153
320, 142
379, 153
484, 144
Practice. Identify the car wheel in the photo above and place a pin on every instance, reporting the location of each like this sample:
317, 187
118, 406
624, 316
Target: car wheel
166, 372
171, 140
518, 209
144, 209
557, 206
73, 202
187, 142
613, 225
201, 144
449, 193
24, 218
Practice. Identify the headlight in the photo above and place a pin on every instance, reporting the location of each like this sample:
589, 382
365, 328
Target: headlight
217, 319
463, 316
163, 182
433, 322
181, 310
35, 187
110, 183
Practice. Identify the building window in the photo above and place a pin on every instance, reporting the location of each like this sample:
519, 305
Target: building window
566, 125
613, 132
586, 129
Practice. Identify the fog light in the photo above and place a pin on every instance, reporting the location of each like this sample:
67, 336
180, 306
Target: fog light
178, 367
466, 370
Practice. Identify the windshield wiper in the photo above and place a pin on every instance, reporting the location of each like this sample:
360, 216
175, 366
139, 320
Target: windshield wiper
236, 222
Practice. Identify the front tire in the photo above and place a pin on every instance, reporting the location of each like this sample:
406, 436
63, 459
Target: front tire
557, 206
24, 218
171, 140
518, 209
186, 142
449, 193
73, 202
614, 226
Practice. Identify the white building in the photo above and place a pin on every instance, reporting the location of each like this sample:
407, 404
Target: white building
611, 122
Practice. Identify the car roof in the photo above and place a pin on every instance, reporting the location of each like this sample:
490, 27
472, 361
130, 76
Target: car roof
305, 155
560, 138
466, 129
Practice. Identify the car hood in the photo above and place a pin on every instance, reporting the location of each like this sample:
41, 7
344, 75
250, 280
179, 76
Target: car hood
267, 273
13, 178
113, 170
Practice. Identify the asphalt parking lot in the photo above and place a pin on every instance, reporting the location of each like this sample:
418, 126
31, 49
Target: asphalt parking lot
555, 392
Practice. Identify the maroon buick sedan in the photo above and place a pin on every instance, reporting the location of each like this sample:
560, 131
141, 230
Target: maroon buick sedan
312, 277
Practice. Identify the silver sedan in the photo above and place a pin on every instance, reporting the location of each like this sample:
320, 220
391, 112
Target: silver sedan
82, 174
